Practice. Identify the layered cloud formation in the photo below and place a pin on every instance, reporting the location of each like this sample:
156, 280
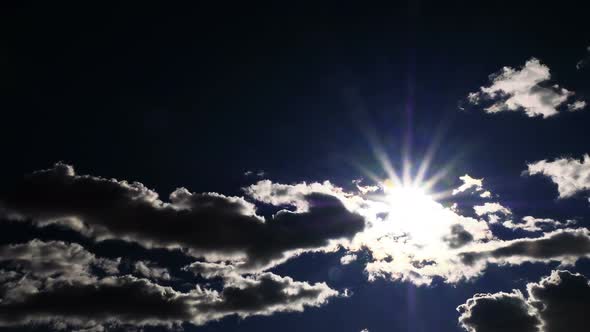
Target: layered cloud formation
209, 224
399, 234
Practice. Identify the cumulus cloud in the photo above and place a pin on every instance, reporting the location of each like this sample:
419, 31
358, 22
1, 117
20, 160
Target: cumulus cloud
571, 175
469, 183
557, 303
498, 312
524, 89
208, 224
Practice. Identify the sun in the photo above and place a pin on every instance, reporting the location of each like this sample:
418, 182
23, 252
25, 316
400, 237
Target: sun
411, 210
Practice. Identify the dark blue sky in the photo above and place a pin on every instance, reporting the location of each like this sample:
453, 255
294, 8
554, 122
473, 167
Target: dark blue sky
195, 95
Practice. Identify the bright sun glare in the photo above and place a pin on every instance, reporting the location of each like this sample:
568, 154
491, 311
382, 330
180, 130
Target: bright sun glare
411, 210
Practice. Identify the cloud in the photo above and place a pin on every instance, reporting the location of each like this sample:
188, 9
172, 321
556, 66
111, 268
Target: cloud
565, 246
557, 303
459, 237
486, 194
491, 208
522, 89
36, 264
112, 300
576, 106
40, 295
570, 175
266, 294
506, 312
468, 183
364, 189
215, 226
562, 300
347, 259
532, 224
252, 173
151, 271
287, 195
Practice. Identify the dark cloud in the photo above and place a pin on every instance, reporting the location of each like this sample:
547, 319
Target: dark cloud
208, 224
34, 265
111, 300
265, 294
506, 312
566, 244
127, 300
459, 237
562, 300
151, 271
558, 303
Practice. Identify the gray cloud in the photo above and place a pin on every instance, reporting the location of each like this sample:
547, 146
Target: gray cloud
127, 300
567, 246
151, 271
209, 224
557, 303
35, 265
506, 312
459, 237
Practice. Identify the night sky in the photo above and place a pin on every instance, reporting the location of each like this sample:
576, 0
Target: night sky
421, 166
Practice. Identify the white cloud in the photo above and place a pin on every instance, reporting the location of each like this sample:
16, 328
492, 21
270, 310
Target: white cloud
522, 89
486, 194
570, 175
491, 208
468, 183
364, 189
347, 259
576, 105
